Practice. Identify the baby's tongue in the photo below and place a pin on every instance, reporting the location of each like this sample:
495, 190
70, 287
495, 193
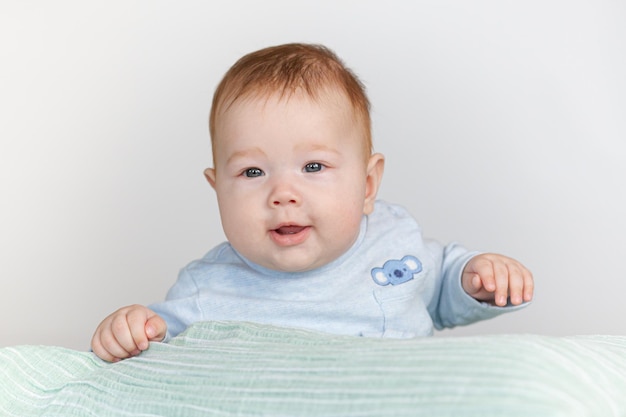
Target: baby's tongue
289, 230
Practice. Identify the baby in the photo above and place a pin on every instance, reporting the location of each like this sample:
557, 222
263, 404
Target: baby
309, 246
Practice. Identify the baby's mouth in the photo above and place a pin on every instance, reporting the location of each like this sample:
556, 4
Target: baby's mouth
290, 234
289, 230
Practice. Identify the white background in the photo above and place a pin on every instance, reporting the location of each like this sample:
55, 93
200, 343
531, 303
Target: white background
503, 124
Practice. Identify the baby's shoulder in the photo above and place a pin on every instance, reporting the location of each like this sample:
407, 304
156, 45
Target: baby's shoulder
221, 254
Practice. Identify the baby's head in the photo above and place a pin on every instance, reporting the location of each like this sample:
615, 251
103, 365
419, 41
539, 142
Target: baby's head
286, 70
293, 165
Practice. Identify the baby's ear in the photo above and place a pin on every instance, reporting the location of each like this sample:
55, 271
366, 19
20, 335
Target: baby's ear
375, 169
209, 174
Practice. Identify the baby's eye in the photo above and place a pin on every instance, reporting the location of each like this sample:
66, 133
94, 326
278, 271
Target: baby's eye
313, 167
253, 173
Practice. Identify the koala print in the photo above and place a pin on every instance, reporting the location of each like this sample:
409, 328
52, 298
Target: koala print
396, 272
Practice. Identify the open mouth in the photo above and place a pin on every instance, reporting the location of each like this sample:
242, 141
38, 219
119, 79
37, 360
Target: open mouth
290, 234
289, 230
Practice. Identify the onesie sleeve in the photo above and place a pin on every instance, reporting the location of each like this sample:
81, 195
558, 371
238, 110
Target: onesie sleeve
452, 306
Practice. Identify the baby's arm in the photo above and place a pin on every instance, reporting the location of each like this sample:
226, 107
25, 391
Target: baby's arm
127, 332
494, 278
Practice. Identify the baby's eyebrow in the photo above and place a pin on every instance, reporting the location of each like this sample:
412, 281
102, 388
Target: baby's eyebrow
317, 147
246, 153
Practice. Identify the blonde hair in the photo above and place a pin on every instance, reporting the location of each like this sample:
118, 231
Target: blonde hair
286, 69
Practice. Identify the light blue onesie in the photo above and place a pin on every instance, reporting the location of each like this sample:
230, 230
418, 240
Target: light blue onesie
391, 283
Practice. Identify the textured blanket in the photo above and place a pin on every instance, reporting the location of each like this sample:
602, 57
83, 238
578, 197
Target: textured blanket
243, 369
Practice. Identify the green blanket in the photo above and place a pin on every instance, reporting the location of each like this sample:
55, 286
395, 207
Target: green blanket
244, 369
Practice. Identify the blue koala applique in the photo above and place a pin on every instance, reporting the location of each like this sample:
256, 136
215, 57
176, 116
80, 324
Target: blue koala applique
396, 272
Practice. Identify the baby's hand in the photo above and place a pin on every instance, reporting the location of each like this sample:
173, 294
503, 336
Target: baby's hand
494, 278
127, 332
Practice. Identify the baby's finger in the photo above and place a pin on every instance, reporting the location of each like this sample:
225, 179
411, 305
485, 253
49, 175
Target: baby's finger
516, 284
485, 270
99, 349
502, 283
156, 328
136, 319
122, 334
529, 285
477, 284
106, 346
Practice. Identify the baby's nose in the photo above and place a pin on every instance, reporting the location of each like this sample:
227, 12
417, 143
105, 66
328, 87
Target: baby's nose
279, 201
284, 194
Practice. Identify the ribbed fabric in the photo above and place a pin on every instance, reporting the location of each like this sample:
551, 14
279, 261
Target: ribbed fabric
243, 369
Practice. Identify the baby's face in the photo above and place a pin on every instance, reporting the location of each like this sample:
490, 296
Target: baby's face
290, 178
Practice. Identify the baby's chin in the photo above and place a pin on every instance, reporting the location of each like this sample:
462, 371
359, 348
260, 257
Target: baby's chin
294, 262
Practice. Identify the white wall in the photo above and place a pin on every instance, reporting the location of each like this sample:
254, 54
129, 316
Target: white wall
503, 124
